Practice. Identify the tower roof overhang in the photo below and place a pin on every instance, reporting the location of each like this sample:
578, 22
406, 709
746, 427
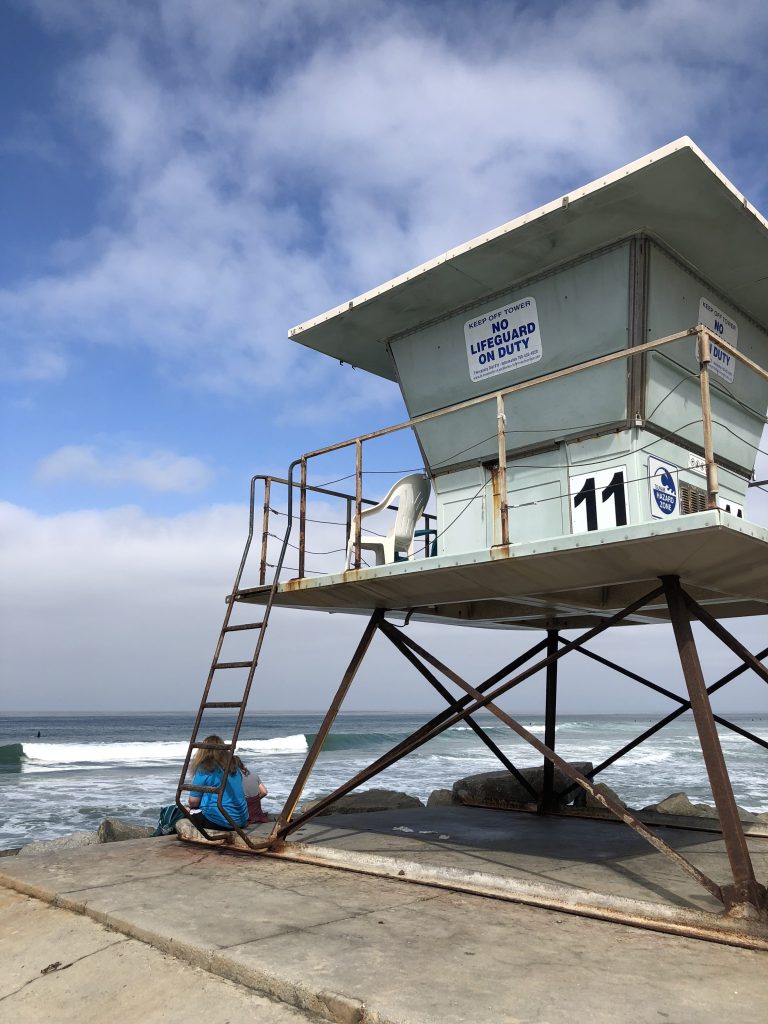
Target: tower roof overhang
675, 194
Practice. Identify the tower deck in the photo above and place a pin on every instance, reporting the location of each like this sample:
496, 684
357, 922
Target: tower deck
566, 582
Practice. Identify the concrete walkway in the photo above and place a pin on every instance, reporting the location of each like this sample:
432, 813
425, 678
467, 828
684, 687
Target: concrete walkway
63, 967
354, 948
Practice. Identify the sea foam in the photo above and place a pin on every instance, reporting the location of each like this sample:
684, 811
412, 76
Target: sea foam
53, 756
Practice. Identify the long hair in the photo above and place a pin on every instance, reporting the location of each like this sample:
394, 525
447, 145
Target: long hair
211, 760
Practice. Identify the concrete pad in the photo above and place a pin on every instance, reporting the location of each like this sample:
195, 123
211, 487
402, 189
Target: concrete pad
365, 950
62, 967
602, 856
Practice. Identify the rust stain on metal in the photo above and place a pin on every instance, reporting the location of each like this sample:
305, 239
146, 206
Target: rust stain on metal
496, 504
290, 586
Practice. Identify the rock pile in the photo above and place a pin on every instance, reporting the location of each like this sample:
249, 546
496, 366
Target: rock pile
111, 830
680, 804
487, 789
74, 841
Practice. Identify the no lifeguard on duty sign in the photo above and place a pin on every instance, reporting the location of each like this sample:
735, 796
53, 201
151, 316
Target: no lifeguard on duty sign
503, 339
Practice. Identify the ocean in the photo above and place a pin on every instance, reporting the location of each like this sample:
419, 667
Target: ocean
83, 768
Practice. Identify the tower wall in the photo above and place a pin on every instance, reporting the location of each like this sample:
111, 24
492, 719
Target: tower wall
615, 445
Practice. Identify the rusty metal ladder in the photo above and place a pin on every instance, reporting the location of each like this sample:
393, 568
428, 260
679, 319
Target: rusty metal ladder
218, 665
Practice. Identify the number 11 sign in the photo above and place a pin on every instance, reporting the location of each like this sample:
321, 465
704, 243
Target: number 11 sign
599, 499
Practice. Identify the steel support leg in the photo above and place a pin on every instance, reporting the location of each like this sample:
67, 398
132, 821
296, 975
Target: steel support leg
745, 891
547, 799
330, 718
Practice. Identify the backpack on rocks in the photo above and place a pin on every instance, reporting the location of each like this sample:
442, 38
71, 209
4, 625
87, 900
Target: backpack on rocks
166, 823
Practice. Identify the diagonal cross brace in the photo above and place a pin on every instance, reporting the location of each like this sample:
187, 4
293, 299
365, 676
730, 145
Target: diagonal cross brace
396, 638
447, 719
730, 641
567, 769
434, 727
685, 705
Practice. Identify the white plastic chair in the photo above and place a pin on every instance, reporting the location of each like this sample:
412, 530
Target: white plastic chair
411, 494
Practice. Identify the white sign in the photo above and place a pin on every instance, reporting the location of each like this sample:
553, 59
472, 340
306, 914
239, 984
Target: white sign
697, 464
722, 363
730, 507
599, 499
503, 339
664, 490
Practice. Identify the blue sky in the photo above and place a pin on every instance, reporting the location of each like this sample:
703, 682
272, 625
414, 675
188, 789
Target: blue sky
183, 181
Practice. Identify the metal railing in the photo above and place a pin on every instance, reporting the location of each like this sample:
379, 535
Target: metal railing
350, 500
501, 512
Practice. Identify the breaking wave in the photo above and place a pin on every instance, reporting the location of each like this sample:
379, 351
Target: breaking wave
52, 756
354, 740
11, 757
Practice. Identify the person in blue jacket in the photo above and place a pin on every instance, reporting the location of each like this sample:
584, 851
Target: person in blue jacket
209, 765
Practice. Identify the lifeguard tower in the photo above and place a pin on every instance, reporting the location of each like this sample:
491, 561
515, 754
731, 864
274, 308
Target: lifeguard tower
587, 388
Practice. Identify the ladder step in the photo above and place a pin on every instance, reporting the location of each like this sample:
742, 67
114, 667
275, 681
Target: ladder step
232, 664
247, 625
210, 746
223, 704
188, 787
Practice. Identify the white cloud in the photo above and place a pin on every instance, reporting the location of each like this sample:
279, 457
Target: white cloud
264, 167
33, 363
120, 609
264, 162
160, 471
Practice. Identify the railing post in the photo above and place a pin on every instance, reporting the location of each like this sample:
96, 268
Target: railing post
264, 534
501, 418
706, 416
348, 533
428, 518
358, 501
302, 517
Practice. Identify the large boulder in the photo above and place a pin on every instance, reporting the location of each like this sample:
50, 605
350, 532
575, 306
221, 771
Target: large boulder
115, 830
440, 798
680, 803
502, 789
186, 830
591, 803
368, 800
74, 841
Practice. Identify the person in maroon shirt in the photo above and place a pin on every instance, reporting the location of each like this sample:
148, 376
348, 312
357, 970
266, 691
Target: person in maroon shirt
254, 790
